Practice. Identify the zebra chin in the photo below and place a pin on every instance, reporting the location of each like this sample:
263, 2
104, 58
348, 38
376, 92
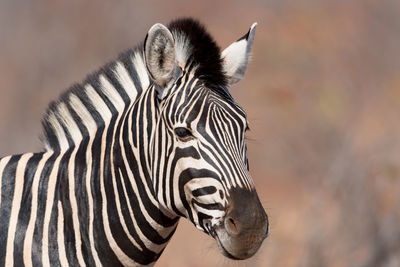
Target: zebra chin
238, 248
244, 227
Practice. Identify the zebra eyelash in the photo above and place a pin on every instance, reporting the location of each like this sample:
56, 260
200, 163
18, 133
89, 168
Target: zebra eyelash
183, 133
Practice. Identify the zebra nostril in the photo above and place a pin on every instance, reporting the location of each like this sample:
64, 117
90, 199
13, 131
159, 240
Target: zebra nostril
231, 226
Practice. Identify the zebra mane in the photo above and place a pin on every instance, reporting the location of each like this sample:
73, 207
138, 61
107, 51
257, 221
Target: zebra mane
86, 106
198, 51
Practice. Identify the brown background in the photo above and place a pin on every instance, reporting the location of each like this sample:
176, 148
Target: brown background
322, 94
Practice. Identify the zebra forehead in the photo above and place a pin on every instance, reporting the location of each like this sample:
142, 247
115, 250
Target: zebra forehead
206, 101
228, 115
227, 105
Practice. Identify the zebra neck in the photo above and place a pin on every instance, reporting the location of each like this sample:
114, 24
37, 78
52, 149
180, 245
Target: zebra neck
127, 219
146, 221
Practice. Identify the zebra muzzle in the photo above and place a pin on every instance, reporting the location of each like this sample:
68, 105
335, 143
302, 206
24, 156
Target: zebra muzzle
244, 227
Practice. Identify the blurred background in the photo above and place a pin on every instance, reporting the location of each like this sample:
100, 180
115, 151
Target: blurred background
322, 94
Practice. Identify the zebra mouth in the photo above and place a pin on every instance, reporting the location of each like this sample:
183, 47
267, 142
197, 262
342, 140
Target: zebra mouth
235, 248
211, 230
223, 249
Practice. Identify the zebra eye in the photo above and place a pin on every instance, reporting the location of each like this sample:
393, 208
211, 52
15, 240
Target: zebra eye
183, 133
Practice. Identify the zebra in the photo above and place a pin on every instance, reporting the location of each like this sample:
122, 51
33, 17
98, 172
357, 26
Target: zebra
149, 138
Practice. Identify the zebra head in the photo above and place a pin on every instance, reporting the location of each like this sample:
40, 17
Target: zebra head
199, 155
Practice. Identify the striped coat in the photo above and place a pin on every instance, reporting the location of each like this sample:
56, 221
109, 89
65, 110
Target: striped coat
151, 137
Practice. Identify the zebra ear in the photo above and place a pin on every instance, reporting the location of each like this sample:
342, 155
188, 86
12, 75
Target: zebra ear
159, 52
236, 56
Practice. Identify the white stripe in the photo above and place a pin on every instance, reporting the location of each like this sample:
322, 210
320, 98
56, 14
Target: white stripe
111, 93
98, 103
122, 257
58, 131
141, 70
216, 151
16, 205
243, 179
91, 127
83, 113
116, 193
159, 162
125, 80
74, 207
163, 138
28, 242
136, 152
51, 187
90, 201
159, 228
105, 113
69, 123
144, 131
3, 163
121, 217
60, 236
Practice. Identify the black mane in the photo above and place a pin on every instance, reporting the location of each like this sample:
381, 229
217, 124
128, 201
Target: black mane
204, 53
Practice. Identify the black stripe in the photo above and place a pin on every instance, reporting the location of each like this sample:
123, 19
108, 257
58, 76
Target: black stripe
42, 197
246, 36
115, 224
153, 211
7, 193
207, 190
26, 207
78, 121
105, 253
126, 58
212, 206
83, 202
109, 74
62, 194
